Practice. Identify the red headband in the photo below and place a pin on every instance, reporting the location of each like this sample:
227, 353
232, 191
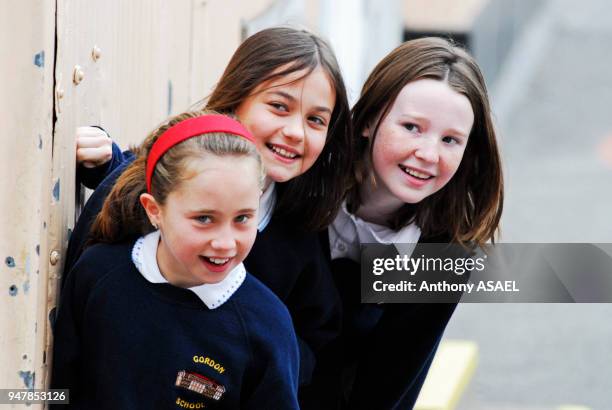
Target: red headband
186, 129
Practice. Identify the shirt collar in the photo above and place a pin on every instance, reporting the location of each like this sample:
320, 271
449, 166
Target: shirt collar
266, 206
144, 256
348, 232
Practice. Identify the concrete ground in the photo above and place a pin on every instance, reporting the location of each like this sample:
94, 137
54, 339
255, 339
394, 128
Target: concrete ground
553, 105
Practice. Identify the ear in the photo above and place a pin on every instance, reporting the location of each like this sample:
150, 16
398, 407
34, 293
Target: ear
152, 208
366, 132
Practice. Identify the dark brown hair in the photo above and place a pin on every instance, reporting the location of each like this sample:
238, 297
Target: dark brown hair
123, 217
312, 199
469, 207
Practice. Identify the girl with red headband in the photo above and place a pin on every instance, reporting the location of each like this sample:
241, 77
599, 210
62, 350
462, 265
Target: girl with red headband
172, 319
285, 86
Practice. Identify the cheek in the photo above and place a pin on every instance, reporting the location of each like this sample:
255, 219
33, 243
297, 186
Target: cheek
246, 241
189, 245
316, 143
257, 120
450, 165
385, 154
258, 130
189, 239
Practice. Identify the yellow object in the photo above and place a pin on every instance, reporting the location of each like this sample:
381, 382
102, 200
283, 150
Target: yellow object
450, 373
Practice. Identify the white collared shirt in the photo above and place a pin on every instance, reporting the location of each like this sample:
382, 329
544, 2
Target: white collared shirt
348, 232
266, 207
144, 256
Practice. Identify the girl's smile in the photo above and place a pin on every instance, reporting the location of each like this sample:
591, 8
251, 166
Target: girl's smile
216, 265
284, 153
416, 177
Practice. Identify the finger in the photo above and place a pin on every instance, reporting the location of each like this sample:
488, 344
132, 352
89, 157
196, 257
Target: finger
93, 141
87, 164
96, 156
90, 132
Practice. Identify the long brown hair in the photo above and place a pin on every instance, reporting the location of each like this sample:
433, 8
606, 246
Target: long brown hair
123, 217
469, 207
312, 199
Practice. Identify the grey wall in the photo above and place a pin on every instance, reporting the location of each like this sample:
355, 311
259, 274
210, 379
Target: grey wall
496, 29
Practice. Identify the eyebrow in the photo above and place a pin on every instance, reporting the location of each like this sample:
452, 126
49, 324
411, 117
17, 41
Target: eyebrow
458, 133
204, 211
283, 94
246, 210
292, 98
419, 117
214, 212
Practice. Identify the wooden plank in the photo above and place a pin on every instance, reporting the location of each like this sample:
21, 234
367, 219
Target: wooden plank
143, 71
217, 32
27, 31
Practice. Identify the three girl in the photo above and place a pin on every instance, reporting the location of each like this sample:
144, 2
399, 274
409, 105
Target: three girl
426, 169
172, 319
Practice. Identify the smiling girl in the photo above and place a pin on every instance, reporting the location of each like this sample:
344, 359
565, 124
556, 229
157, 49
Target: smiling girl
172, 319
428, 171
285, 86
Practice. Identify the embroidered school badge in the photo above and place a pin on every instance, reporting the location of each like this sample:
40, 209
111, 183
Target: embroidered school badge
199, 384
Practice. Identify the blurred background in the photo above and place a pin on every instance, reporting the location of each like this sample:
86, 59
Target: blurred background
128, 65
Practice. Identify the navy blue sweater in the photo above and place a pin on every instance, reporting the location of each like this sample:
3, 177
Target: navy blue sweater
290, 262
382, 357
122, 342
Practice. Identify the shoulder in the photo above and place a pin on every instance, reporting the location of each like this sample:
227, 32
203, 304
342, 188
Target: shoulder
111, 178
443, 245
100, 260
284, 236
108, 255
94, 204
436, 238
263, 311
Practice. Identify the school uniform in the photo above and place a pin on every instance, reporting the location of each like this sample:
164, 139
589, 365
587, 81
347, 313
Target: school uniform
101, 179
288, 261
126, 339
385, 350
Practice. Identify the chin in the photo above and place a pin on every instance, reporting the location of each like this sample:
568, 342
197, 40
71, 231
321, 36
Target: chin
280, 176
212, 278
410, 197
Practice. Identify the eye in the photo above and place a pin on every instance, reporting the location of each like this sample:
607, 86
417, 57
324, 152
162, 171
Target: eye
279, 106
204, 219
242, 219
450, 140
411, 127
317, 120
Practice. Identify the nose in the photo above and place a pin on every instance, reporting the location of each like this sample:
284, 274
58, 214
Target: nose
428, 149
224, 240
294, 129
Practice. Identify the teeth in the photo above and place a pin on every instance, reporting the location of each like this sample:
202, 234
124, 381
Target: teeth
416, 174
282, 152
218, 261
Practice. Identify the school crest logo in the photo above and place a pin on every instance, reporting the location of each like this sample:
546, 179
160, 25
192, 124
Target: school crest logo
199, 384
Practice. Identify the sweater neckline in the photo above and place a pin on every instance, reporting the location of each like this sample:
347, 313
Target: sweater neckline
213, 295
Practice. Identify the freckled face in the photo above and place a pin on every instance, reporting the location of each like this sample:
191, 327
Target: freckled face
289, 118
209, 223
420, 143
